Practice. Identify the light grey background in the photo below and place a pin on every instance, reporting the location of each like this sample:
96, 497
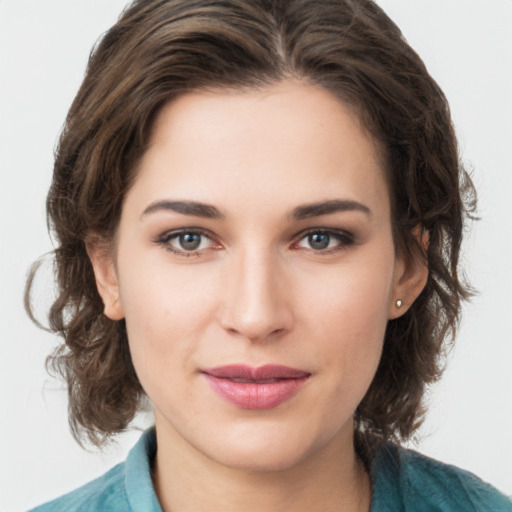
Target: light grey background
44, 45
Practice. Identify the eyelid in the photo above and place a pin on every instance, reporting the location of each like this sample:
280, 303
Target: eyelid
165, 238
344, 237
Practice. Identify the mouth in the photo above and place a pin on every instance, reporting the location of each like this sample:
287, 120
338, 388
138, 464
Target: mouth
259, 388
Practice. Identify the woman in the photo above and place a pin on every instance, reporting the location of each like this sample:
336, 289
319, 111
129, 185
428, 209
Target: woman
259, 209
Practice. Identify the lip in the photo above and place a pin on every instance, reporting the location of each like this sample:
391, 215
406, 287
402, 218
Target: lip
259, 388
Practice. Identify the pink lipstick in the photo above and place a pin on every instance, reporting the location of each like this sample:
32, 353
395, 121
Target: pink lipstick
255, 388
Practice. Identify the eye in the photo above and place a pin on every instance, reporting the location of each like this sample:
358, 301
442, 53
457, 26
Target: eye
185, 242
326, 241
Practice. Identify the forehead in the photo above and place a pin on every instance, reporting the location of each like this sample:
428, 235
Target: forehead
290, 142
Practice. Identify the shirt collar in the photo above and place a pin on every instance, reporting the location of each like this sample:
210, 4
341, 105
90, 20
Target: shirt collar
138, 484
141, 493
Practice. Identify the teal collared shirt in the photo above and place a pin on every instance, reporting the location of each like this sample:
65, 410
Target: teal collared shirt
406, 481
127, 487
402, 481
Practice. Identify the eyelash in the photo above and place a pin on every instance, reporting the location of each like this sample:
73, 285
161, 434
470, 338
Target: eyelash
166, 238
345, 238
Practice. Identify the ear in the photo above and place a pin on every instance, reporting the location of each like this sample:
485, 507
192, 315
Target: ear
411, 274
106, 279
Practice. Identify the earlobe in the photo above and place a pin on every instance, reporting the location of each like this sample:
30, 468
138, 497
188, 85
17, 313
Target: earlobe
106, 280
411, 275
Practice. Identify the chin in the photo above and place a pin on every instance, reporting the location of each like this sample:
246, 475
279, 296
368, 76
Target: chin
257, 459
266, 449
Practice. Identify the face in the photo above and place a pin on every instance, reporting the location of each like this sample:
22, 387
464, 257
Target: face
256, 271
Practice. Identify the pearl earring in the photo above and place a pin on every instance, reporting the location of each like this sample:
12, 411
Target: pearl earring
398, 303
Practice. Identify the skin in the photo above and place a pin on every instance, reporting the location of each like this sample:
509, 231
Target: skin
255, 292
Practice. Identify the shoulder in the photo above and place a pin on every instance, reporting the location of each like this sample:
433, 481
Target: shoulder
105, 493
127, 487
420, 483
450, 486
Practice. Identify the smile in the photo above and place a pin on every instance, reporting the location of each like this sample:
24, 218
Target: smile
255, 388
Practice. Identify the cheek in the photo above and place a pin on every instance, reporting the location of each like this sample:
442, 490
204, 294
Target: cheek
167, 309
348, 316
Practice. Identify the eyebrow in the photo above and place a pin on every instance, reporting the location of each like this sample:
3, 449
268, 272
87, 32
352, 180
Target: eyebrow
209, 211
327, 207
194, 208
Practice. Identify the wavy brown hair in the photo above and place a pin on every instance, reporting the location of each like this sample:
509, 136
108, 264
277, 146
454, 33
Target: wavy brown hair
161, 49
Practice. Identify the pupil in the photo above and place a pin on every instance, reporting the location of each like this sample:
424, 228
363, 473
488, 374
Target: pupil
319, 240
190, 241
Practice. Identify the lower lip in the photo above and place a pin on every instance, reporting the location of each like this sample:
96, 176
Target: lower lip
251, 395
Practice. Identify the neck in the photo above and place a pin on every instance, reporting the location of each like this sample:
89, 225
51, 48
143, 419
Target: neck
331, 479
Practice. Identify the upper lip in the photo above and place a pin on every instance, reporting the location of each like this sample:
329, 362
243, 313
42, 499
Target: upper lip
266, 372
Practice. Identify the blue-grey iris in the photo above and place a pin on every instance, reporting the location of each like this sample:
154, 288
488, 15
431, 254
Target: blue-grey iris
319, 240
190, 241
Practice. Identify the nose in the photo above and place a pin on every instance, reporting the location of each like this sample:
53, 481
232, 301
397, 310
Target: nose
257, 300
